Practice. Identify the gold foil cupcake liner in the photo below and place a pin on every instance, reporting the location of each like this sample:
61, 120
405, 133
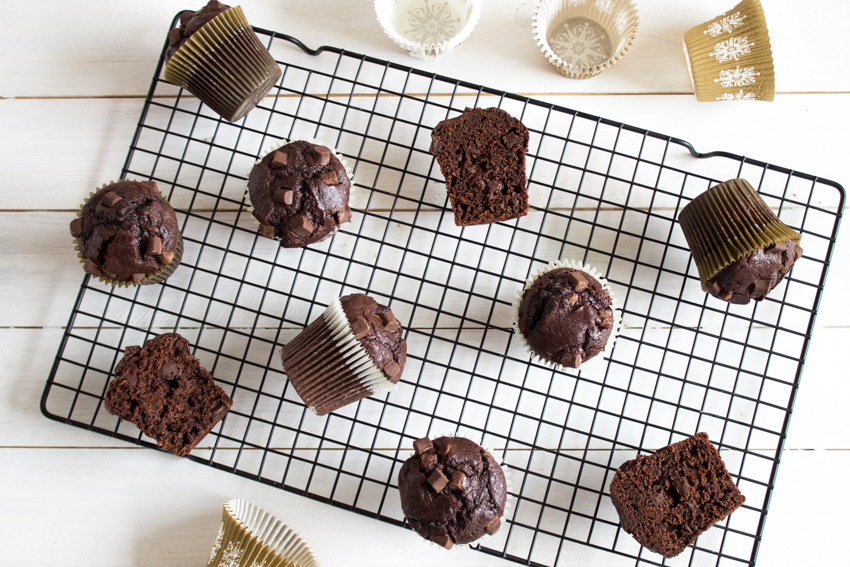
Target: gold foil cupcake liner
582, 38
156, 277
729, 58
428, 29
225, 65
591, 363
248, 536
726, 223
331, 367
276, 145
506, 470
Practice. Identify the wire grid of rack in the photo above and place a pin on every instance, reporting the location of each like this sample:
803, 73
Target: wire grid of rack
601, 192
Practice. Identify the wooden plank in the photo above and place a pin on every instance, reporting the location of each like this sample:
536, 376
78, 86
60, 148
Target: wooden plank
110, 48
124, 507
86, 142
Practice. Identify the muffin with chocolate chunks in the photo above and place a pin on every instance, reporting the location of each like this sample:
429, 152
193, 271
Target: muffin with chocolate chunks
452, 491
354, 349
127, 233
565, 316
300, 194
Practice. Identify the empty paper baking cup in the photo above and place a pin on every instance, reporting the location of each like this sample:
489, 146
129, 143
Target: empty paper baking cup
428, 29
582, 38
225, 65
726, 223
249, 536
729, 57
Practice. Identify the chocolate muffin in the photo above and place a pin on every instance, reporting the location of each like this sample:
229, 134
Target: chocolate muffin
127, 233
452, 491
300, 194
565, 316
667, 499
756, 274
190, 22
356, 348
164, 391
482, 156
741, 248
217, 57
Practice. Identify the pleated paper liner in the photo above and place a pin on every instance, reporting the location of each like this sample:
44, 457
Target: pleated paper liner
591, 363
225, 65
582, 38
729, 58
728, 222
428, 29
249, 536
158, 276
276, 145
327, 365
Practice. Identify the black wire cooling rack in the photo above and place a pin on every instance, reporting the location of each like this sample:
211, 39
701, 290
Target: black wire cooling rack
601, 192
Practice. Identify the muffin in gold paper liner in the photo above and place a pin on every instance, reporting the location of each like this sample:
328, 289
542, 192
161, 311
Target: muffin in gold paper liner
728, 222
729, 58
158, 276
328, 365
249, 536
582, 38
224, 64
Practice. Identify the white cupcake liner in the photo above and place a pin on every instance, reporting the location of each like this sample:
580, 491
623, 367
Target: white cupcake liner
276, 145
616, 323
617, 18
249, 536
506, 470
428, 29
326, 346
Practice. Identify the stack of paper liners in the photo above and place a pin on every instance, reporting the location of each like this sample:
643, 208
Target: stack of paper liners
729, 57
250, 536
225, 65
327, 365
726, 223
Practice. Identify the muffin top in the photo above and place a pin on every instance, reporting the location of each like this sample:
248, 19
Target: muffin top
125, 231
190, 22
378, 331
452, 490
566, 316
756, 274
300, 194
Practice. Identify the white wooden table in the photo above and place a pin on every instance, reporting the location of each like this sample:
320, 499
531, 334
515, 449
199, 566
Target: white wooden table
73, 78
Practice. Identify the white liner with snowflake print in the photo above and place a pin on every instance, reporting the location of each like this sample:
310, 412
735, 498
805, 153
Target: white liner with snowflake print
582, 38
591, 363
506, 470
428, 29
276, 145
249, 536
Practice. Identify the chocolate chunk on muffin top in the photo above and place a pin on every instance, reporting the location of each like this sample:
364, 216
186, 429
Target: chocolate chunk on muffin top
566, 316
452, 490
190, 22
125, 231
380, 333
756, 274
300, 194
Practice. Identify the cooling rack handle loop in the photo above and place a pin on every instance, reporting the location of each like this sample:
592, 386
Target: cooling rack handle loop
696, 154
303, 47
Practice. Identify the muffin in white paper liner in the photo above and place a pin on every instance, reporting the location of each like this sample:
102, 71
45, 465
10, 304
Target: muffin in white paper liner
428, 29
249, 536
616, 322
273, 147
582, 38
329, 367
506, 470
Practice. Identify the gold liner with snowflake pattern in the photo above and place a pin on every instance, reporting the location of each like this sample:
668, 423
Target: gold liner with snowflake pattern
582, 38
249, 536
727, 222
435, 29
729, 57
